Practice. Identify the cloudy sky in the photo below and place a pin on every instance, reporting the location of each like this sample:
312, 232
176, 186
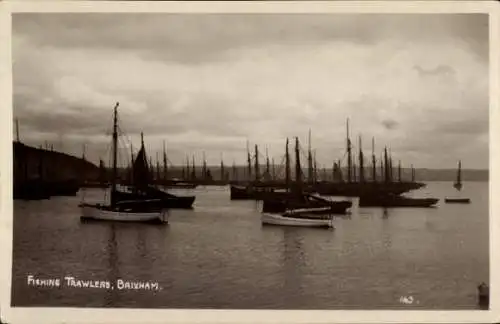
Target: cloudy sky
208, 83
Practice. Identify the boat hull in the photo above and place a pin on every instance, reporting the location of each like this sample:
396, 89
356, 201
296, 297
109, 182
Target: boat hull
164, 200
291, 202
457, 200
96, 212
397, 201
254, 193
277, 219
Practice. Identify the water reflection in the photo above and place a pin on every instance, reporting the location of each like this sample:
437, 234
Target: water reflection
114, 272
294, 262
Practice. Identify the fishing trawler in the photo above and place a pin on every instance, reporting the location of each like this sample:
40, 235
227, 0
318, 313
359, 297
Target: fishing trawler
295, 197
141, 188
120, 210
296, 208
359, 186
389, 199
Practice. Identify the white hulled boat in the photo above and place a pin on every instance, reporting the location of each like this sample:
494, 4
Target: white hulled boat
123, 211
303, 217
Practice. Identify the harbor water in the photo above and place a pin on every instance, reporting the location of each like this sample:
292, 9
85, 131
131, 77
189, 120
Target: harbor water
219, 255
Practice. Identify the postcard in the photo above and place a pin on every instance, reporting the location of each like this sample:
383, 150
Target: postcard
243, 162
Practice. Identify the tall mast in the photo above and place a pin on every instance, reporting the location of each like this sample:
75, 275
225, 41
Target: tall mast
188, 171
298, 169
390, 166
17, 130
361, 162
382, 168
222, 172
374, 162
315, 173
412, 174
150, 167
268, 167
257, 171
334, 171
310, 170
115, 153
287, 166
339, 168
165, 163
273, 176
386, 162
349, 156
459, 173
157, 168
249, 161
131, 171
194, 169
399, 171
235, 173
204, 167
354, 175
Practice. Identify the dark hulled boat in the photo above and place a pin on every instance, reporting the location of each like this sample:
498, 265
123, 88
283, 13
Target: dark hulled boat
457, 200
360, 186
458, 186
142, 190
390, 200
296, 198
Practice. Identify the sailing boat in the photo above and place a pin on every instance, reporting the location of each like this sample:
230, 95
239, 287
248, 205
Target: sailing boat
458, 185
297, 208
142, 190
124, 211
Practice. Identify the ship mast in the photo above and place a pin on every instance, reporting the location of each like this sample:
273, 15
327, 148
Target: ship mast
273, 176
257, 171
287, 166
165, 164
157, 169
115, 154
310, 170
399, 171
298, 169
222, 171
315, 173
349, 155
361, 162
391, 169
374, 162
249, 160
386, 163
193, 173
268, 166
204, 167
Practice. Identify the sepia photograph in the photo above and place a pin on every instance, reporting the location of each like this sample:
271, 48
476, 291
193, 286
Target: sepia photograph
278, 160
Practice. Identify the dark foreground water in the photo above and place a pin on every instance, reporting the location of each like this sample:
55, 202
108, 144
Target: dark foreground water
220, 256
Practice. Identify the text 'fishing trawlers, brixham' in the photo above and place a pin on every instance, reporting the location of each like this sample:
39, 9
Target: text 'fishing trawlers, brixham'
72, 282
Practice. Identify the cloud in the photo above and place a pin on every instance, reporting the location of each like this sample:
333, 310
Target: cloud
210, 82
